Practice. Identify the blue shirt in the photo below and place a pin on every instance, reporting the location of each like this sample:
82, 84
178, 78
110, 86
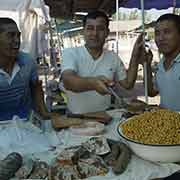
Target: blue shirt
168, 84
15, 95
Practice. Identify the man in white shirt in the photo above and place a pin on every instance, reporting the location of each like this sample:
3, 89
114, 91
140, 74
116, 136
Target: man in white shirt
88, 70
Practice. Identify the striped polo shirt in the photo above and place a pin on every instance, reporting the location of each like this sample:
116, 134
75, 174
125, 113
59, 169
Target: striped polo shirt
15, 92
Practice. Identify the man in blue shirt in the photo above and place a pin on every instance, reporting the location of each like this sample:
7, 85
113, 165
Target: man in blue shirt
166, 81
20, 89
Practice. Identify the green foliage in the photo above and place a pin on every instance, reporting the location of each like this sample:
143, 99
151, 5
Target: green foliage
150, 35
177, 11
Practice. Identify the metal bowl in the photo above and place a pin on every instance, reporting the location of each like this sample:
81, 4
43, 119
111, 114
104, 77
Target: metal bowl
152, 152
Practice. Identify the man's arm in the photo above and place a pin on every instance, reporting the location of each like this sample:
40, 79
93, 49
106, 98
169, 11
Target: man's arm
151, 91
136, 56
129, 82
56, 120
38, 98
75, 83
147, 57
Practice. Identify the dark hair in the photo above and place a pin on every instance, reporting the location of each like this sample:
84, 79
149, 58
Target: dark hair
94, 15
170, 17
4, 22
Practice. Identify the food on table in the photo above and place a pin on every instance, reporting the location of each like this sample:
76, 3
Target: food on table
81, 161
80, 153
123, 159
119, 156
92, 166
110, 159
33, 169
71, 155
136, 105
91, 158
25, 170
97, 145
10, 165
102, 116
158, 127
40, 170
63, 172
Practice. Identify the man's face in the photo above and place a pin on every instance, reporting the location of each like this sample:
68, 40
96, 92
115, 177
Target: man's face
10, 41
95, 32
167, 37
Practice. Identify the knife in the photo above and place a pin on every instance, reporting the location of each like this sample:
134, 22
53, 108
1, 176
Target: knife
118, 98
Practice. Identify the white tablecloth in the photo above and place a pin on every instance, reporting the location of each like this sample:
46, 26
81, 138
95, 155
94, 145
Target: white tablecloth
138, 169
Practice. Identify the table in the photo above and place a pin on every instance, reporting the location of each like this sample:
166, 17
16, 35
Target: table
138, 169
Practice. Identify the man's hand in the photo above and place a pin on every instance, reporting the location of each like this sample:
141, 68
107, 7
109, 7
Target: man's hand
138, 46
145, 56
139, 56
140, 53
76, 83
101, 83
149, 57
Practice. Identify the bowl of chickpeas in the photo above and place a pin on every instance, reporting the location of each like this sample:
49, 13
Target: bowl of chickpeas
153, 136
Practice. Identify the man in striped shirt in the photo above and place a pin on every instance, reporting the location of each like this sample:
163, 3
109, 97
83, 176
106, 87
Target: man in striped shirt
20, 89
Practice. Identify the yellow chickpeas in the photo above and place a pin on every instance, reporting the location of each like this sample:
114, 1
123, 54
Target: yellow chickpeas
158, 127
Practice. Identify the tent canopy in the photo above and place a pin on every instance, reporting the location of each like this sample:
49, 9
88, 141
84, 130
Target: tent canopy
67, 8
150, 4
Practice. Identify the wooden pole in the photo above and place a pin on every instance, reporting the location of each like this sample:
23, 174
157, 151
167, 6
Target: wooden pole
145, 64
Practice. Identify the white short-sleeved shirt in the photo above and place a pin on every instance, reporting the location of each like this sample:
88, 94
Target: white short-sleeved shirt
79, 60
168, 84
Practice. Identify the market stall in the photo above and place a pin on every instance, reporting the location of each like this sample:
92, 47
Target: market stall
39, 149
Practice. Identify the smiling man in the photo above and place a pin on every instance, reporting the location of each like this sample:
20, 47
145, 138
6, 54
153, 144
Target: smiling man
166, 81
88, 70
20, 89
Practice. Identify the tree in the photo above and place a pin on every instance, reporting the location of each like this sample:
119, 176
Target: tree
177, 11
